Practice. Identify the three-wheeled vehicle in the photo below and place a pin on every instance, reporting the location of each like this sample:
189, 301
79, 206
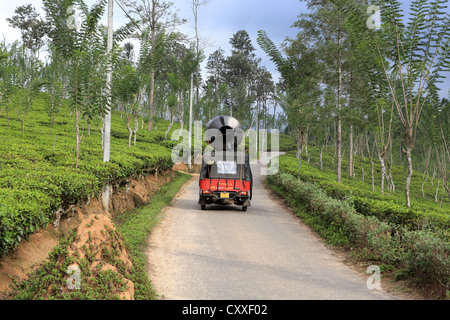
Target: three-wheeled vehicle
226, 177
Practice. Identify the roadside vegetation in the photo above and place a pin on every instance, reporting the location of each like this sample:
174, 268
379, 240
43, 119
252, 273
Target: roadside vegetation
408, 243
108, 268
362, 101
39, 174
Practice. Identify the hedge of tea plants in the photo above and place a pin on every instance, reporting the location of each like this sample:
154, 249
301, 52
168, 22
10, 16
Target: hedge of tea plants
424, 213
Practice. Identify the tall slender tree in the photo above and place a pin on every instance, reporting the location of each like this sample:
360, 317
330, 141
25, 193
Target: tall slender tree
299, 69
32, 28
240, 72
84, 50
157, 17
412, 54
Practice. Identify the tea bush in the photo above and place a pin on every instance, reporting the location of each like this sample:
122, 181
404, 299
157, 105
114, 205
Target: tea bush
424, 213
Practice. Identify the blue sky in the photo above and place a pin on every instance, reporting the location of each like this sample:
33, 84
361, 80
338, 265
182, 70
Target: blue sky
218, 21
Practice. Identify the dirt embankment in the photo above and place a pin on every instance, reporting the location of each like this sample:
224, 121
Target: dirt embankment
32, 252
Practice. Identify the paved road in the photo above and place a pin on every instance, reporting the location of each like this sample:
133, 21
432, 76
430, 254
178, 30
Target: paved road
265, 253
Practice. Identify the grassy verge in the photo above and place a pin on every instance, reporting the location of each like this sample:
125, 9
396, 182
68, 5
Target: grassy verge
135, 226
103, 275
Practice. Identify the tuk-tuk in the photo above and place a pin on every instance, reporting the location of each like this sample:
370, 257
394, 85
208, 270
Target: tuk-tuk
226, 177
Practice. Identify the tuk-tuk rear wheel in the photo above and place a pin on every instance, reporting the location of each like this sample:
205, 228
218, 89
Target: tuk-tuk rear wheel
203, 206
244, 208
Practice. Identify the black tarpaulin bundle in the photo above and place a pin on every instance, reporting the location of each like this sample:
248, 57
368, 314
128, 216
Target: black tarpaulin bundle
222, 159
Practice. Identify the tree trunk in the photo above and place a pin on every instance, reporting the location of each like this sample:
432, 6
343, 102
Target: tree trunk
321, 159
77, 130
383, 171
300, 140
425, 178
339, 117
136, 127
350, 155
306, 146
168, 129
409, 175
362, 167
391, 179
300, 151
52, 124
338, 149
151, 101
447, 188
373, 174
102, 129
130, 134
437, 191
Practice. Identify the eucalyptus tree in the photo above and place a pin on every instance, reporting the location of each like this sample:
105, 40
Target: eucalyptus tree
33, 29
216, 84
324, 30
240, 71
216, 67
8, 77
369, 86
299, 70
4, 55
212, 98
157, 17
263, 91
20, 81
195, 6
180, 66
128, 54
413, 53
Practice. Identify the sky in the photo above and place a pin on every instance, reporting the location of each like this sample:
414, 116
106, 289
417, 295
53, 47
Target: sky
217, 22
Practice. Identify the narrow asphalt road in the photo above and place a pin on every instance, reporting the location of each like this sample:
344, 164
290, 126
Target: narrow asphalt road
266, 253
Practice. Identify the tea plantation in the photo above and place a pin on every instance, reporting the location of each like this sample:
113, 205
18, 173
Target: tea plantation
38, 173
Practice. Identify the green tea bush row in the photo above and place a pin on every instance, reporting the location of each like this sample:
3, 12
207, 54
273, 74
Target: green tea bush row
419, 252
386, 208
31, 192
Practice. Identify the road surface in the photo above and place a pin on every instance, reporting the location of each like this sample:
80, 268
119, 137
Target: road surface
266, 253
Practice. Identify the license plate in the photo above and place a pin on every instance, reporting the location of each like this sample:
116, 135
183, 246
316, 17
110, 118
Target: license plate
225, 195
